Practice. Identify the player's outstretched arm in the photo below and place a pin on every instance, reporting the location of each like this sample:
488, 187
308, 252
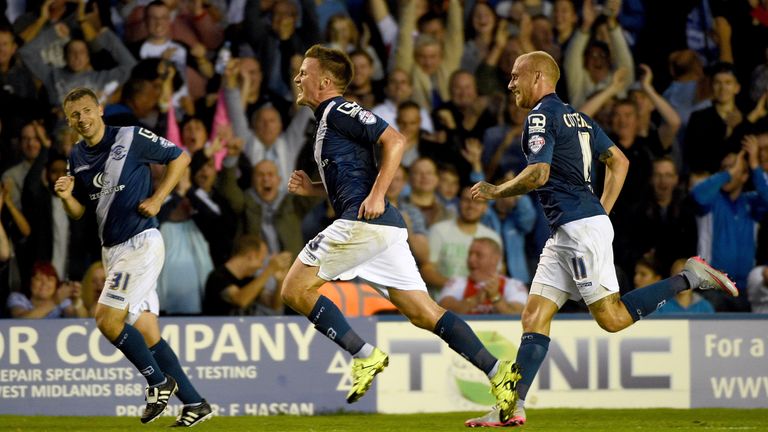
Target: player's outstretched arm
63, 188
151, 206
532, 177
300, 184
617, 166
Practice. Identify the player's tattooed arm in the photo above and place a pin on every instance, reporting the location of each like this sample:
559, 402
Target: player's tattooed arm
532, 177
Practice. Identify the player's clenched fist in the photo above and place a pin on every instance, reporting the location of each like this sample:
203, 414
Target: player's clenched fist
299, 183
484, 191
64, 186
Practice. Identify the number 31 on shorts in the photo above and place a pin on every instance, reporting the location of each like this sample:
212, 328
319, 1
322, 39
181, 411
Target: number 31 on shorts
119, 281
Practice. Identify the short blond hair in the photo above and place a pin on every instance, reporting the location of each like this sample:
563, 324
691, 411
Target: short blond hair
543, 62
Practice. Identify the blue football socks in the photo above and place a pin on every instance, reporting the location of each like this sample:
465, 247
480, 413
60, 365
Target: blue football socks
167, 360
464, 341
641, 302
533, 349
132, 344
329, 321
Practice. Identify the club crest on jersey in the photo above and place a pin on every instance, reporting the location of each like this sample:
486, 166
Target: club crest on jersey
118, 152
366, 117
535, 143
536, 123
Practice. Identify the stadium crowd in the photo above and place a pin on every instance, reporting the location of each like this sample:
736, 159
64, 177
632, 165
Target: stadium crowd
680, 86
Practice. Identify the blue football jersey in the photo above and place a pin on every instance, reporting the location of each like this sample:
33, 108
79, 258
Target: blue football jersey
113, 177
569, 141
345, 154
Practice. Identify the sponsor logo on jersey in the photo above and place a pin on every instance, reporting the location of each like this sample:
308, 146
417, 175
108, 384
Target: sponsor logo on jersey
536, 123
535, 143
366, 117
98, 180
583, 284
118, 152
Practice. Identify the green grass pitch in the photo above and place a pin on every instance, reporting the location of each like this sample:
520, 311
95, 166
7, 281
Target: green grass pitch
587, 420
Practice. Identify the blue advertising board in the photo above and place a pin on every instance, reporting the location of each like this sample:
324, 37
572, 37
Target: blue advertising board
243, 366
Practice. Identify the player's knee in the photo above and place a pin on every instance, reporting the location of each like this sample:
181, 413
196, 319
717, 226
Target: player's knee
422, 320
289, 296
533, 321
611, 324
108, 325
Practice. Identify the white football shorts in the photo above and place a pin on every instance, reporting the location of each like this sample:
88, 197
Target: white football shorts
132, 271
377, 253
578, 262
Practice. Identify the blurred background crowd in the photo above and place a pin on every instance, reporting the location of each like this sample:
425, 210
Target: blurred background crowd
680, 86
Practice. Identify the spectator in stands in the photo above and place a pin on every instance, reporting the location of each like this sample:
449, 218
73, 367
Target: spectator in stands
69, 245
232, 288
741, 34
430, 61
449, 241
590, 65
625, 133
398, 90
481, 35
565, 21
54, 24
759, 83
690, 89
448, 188
757, 289
47, 299
727, 220
15, 78
484, 290
78, 71
17, 230
647, 271
661, 135
363, 89
342, 34
254, 93
463, 118
494, 71
512, 218
272, 213
267, 139
138, 106
664, 223
181, 284
33, 138
417, 143
191, 23
502, 151
5, 265
543, 36
160, 44
423, 181
276, 40
685, 302
715, 131
93, 283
